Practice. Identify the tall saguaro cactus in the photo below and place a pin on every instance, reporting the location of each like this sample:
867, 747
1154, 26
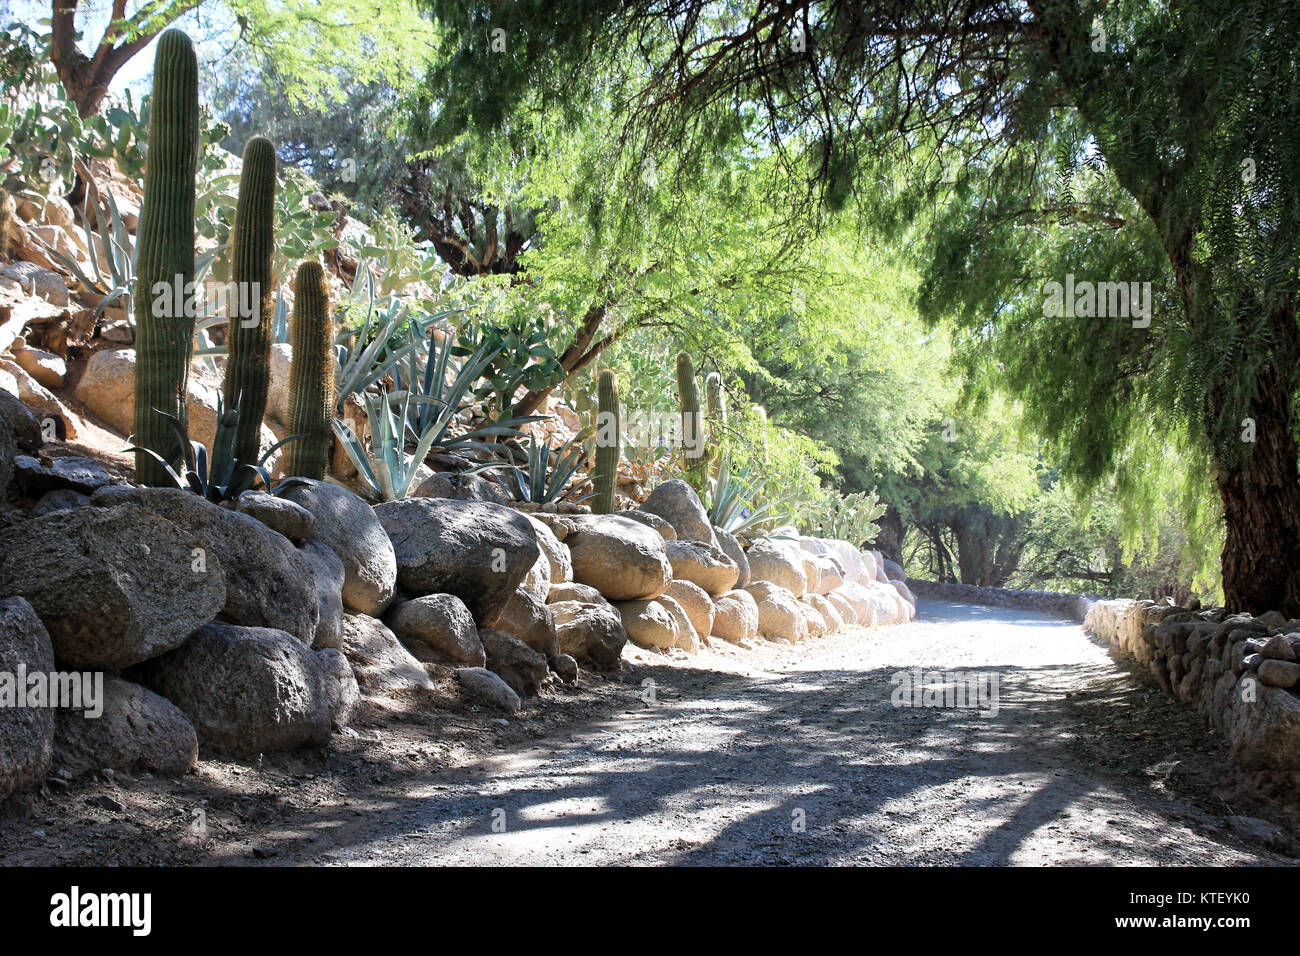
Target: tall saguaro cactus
248, 366
717, 405
608, 442
693, 444
165, 250
311, 379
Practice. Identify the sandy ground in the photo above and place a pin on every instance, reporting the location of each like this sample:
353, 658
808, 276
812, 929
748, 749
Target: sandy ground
780, 754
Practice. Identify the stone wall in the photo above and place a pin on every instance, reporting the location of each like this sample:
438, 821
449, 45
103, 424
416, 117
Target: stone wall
1073, 607
1238, 670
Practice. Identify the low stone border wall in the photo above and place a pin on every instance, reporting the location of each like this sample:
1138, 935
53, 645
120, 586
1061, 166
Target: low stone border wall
1238, 670
1073, 607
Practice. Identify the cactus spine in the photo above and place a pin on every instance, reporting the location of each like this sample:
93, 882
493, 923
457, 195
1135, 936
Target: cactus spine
248, 365
717, 403
165, 251
693, 442
607, 443
311, 378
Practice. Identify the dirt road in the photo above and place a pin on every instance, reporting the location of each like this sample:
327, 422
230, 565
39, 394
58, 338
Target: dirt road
789, 754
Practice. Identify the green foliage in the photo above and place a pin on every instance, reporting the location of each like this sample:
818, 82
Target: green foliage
248, 340
311, 377
521, 357
848, 517
165, 251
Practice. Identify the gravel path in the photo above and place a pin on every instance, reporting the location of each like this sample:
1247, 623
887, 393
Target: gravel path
786, 754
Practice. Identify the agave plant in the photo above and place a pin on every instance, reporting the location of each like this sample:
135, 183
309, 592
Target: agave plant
419, 413
220, 476
540, 482
731, 497
114, 283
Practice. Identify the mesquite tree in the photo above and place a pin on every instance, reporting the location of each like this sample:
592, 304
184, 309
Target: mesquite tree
1123, 143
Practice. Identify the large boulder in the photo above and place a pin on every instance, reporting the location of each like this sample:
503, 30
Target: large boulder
8, 451
137, 731
478, 551
268, 584
484, 687
666, 530
528, 618
735, 616
538, 579
514, 662
554, 551
676, 502
688, 639
381, 664
1262, 725
107, 388
812, 618
573, 591
26, 733
623, 560
862, 598
702, 564
851, 560
593, 633
342, 692
846, 611
113, 586
279, 514
649, 624
246, 690
327, 576
731, 548
829, 573
774, 561
443, 623
697, 604
459, 486
832, 618
780, 615
349, 528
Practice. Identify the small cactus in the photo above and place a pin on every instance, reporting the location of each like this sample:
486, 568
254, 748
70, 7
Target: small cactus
693, 441
248, 367
608, 440
311, 378
165, 259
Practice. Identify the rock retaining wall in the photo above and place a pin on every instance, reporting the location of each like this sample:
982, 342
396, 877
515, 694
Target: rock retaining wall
1238, 670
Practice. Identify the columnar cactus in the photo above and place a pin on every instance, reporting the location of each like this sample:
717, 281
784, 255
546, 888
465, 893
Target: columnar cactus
165, 257
311, 378
248, 366
717, 404
693, 440
608, 442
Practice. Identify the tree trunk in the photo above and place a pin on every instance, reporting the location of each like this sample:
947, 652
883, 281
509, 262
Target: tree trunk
1261, 509
971, 529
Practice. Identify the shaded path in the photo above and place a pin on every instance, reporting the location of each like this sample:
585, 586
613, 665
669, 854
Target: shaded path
740, 747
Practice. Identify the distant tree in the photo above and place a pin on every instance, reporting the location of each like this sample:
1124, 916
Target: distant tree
305, 42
